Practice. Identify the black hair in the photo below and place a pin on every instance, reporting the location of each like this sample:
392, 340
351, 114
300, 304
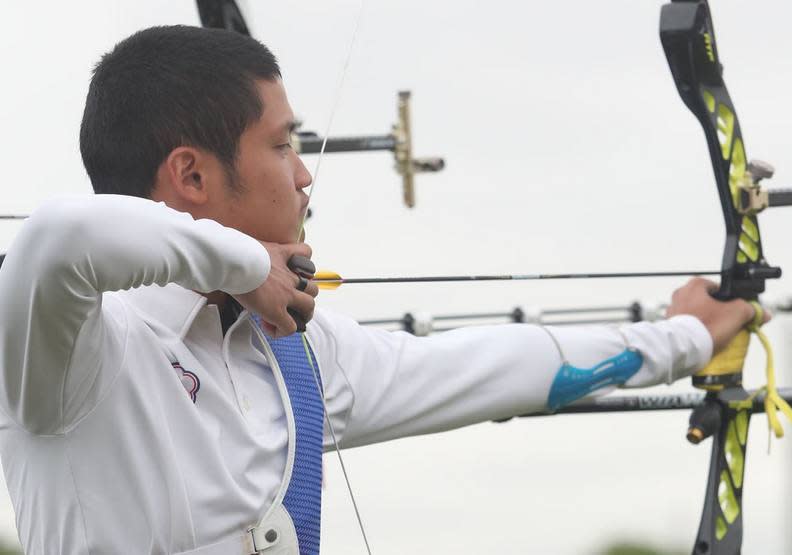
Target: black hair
166, 87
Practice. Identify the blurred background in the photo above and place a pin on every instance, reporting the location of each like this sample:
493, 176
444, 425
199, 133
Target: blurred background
567, 150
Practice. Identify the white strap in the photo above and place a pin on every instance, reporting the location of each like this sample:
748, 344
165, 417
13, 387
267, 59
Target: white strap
264, 538
275, 535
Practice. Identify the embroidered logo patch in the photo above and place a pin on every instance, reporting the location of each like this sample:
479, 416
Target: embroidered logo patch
189, 380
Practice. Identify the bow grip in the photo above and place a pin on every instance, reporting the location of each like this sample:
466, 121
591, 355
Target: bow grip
725, 368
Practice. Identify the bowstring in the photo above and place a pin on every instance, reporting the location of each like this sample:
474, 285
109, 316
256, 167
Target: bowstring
333, 109
317, 380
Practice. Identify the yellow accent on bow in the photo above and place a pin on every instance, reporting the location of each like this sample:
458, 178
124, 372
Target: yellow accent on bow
773, 401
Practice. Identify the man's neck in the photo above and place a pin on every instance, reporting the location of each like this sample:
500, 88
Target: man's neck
216, 297
228, 307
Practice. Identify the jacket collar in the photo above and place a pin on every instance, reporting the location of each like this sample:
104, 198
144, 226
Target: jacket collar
172, 306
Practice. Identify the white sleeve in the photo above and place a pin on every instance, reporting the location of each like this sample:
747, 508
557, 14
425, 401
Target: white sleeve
70, 252
383, 385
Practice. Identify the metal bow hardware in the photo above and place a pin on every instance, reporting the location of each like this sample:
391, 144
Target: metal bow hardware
398, 141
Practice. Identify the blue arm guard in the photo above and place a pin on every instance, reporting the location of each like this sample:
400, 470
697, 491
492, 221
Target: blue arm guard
572, 383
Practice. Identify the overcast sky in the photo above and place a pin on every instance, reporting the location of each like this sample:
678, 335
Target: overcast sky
567, 149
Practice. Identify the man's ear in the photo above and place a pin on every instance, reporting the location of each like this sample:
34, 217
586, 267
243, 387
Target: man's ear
187, 172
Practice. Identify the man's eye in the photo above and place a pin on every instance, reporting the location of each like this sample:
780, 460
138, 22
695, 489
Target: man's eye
284, 146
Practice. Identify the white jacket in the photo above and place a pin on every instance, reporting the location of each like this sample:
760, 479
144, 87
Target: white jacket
130, 424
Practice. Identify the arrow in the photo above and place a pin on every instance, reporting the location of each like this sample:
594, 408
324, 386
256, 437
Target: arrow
330, 280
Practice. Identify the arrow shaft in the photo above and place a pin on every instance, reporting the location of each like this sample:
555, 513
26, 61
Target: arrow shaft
512, 277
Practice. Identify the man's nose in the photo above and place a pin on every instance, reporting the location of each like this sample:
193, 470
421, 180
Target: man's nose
302, 177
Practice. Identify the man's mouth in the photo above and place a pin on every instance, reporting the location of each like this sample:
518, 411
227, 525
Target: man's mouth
304, 206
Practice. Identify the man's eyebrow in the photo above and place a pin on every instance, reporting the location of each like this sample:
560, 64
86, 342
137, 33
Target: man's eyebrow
290, 126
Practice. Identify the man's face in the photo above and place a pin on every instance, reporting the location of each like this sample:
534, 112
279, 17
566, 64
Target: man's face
272, 201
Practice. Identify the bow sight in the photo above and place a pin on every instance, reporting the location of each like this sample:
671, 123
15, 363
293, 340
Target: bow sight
399, 141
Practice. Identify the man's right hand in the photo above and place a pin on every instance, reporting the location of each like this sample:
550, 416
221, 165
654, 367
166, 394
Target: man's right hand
272, 299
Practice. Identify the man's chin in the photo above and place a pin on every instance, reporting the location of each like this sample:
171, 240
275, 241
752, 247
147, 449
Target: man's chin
281, 238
